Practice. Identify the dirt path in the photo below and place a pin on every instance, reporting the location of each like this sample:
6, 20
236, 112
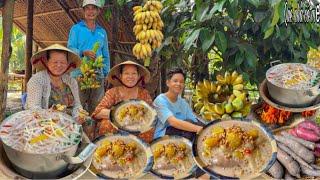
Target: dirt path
13, 102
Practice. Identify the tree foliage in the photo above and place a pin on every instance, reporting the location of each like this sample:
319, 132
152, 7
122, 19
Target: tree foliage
18, 48
246, 34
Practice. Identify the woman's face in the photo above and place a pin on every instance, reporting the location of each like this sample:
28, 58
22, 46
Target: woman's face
57, 62
176, 83
91, 12
130, 75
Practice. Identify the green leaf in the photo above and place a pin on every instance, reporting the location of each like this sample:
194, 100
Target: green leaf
268, 33
234, 3
256, 3
265, 24
305, 31
190, 40
221, 41
107, 14
206, 38
121, 2
181, 4
217, 6
276, 16
277, 45
238, 59
274, 2
282, 10
259, 16
251, 57
232, 11
202, 12
310, 43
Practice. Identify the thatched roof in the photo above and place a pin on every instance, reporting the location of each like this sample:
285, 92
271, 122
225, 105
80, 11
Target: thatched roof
53, 19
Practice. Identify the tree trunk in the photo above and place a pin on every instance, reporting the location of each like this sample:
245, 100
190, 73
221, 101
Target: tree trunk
114, 32
153, 84
163, 86
7, 17
29, 41
200, 68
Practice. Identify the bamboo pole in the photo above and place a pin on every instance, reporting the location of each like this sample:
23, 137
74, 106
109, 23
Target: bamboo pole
7, 17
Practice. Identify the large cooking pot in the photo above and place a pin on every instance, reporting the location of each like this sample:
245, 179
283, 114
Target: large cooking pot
43, 165
292, 96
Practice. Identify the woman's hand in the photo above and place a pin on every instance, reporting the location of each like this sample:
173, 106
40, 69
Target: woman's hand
81, 120
199, 128
82, 116
103, 114
106, 126
147, 136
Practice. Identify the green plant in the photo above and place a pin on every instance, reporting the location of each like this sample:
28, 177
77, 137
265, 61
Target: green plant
18, 48
246, 34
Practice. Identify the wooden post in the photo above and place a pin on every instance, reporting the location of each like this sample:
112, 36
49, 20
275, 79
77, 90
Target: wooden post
153, 85
35, 49
29, 41
115, 25
7, 17
163, 86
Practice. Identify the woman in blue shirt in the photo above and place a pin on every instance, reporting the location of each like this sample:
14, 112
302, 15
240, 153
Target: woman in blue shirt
174, 113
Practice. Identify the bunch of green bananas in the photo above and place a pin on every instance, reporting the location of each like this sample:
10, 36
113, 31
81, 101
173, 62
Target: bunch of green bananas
90, 70
223, 98
147, 29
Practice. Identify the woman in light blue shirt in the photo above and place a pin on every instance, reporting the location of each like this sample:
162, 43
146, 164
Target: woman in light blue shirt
174, 113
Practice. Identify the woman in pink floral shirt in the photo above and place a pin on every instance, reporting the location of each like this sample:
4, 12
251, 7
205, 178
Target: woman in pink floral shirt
127, 78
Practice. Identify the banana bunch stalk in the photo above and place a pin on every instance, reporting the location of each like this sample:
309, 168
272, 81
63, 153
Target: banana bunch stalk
90, 70
224, 98
147, 29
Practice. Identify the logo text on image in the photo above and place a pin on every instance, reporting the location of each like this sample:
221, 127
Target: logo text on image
304, 12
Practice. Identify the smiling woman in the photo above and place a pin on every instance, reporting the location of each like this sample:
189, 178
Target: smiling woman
52, 84
57, 62
128, 79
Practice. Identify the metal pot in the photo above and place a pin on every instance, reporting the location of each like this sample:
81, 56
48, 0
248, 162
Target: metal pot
292, 97
33, 165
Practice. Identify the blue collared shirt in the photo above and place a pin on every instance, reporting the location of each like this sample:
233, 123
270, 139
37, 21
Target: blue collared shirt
165, 108
81, 38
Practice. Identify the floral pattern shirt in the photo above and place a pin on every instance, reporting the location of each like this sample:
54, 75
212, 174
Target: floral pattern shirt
61, 95
111, 98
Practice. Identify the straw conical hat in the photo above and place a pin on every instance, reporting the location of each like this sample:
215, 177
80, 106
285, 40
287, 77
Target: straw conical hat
72, 56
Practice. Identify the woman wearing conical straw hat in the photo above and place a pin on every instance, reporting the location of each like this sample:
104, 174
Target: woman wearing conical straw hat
52, 84
127, 78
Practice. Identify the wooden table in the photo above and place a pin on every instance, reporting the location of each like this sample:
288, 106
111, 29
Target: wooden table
19, 77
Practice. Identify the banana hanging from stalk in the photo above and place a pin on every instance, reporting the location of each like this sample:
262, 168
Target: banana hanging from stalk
147, 29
